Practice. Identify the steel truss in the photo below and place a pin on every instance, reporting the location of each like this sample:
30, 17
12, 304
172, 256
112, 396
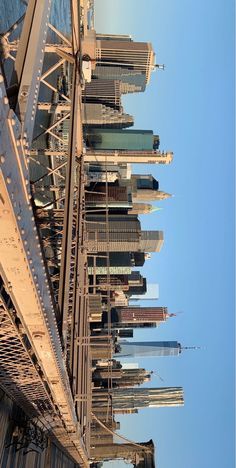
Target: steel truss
22, 379
61, 186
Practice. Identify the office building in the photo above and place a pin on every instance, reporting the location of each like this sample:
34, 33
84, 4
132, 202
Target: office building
132, 81
112, 196
100, 173
136, 398
120, 263
133, 283
137, 284
100, 115
119, 139
134, 58
127, 156
146, 187
121, 378
120, 234
147, 349
138, 316
105, 92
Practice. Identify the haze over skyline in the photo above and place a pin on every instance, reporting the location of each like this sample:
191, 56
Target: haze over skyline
191, 106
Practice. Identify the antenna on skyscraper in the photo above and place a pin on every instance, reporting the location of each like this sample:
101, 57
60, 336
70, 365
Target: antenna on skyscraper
191, 347
157, 375
160, 67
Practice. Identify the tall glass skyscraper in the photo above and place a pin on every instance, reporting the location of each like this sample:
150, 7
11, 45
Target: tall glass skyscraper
118, 139
150, 348
135, 398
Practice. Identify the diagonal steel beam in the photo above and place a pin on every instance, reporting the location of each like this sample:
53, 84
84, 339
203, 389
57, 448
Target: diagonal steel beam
52, 69
59, 34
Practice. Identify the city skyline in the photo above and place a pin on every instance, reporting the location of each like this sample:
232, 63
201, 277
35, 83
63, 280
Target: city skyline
94, 212
185, 104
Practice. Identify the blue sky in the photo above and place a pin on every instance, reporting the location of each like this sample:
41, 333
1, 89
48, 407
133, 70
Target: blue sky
191, 106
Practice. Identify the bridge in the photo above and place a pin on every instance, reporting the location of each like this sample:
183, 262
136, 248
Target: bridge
44, 335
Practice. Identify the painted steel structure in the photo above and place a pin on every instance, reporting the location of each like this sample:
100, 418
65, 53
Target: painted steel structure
30, 325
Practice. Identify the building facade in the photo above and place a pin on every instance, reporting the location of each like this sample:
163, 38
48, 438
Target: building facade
136, 398
135, 316
119, 139
147, 349
120, 234
137, 58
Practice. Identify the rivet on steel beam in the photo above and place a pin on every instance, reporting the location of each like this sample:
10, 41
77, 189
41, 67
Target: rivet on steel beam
8, 180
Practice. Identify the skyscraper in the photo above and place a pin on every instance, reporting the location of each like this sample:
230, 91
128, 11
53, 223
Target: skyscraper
120, 263
136, 398
121, 233
97, 114
119, 139
106, 92
139, 316
113, 196
127, 58
150, 348
122, 378
128, 156
146, 187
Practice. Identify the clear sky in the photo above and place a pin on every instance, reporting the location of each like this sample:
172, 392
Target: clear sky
191, 106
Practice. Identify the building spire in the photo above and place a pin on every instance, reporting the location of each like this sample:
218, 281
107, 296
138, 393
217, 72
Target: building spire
191, 347
155, 208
